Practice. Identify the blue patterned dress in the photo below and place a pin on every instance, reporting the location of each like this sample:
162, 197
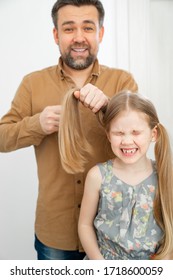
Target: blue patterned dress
125, 225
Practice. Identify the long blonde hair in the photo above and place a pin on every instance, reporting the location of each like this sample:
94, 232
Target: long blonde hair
73, 147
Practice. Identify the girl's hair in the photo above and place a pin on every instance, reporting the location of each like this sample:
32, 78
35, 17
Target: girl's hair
73, 146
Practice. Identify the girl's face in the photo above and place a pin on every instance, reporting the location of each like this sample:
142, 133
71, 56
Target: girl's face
130, 136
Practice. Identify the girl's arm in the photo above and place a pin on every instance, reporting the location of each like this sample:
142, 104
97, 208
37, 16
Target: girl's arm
87, 214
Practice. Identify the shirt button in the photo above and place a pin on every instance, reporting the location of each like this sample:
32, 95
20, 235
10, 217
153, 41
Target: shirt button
78, 181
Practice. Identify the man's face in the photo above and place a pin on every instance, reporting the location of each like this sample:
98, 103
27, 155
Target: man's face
78, 35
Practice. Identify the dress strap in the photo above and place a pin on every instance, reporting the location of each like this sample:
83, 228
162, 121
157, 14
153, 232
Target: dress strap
106, 169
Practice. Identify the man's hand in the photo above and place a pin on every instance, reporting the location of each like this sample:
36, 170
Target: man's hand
49, 119
92, 97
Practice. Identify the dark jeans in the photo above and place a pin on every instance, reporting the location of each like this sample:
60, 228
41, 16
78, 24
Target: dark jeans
46, 253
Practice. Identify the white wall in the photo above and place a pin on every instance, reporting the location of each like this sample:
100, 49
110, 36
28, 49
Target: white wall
27, 44
160, 60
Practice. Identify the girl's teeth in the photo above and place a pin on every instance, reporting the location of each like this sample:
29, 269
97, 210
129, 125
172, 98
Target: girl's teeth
132, 151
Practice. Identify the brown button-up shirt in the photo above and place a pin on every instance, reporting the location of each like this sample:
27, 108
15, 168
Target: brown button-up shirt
60, 193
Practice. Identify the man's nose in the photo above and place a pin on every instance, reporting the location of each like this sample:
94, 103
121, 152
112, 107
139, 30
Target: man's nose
79, 36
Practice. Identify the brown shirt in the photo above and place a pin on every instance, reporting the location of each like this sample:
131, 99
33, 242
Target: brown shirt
60, 193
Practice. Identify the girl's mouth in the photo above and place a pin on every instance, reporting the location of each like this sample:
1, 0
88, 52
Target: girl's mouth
129, 151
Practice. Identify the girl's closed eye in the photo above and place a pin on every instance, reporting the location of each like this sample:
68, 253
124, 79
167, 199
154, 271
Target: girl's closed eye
119, 133
136, 132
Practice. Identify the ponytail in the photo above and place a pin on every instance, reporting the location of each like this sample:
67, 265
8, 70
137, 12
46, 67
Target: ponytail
163, 207
73, 145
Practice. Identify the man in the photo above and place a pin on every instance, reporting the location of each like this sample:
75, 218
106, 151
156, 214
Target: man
35, 114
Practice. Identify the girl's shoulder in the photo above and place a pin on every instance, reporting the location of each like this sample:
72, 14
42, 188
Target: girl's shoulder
93, 179
98, 172
105, 167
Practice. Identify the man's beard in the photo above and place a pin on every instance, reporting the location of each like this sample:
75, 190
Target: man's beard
79, 63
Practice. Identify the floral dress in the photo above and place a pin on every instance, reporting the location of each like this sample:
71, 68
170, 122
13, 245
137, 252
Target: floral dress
125, 225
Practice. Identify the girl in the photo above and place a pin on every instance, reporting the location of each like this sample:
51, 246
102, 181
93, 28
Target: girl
127, 207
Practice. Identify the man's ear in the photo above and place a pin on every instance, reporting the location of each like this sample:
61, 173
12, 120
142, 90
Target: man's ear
101, 33
55, 35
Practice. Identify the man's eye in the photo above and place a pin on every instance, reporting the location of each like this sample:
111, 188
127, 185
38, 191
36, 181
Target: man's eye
88, 29
68, 29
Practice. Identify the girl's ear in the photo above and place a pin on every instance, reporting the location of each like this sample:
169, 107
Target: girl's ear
108, 136
154, 134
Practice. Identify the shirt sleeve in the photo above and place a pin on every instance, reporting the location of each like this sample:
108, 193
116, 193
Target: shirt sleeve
128, 82
19, 128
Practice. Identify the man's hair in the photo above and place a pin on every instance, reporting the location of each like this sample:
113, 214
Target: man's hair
78, 3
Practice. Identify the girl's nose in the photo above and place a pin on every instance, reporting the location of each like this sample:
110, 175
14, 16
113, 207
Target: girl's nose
127, 139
